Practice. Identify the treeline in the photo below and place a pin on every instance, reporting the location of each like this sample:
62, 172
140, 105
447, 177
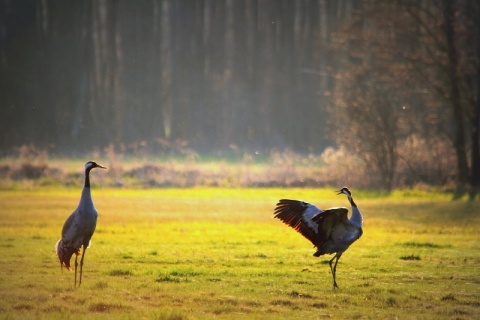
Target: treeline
392, 85
213, 73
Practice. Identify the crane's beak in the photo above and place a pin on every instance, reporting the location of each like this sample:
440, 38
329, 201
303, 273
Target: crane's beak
339, 191
99, 166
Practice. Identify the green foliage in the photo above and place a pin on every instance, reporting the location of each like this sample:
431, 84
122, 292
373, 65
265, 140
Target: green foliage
205, 253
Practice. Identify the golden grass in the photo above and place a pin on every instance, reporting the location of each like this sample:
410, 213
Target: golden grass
205, 253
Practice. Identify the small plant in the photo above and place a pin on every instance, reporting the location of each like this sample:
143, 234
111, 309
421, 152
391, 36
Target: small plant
105, 307
184, 272
169, 278
120, 272
296, 294
410, 257
320, 305
421, 244
391, 302
448, 297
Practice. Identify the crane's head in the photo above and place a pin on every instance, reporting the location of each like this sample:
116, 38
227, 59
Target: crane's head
345, 191
92, 164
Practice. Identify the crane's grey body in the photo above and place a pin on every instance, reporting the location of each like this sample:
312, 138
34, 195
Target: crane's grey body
329, 230
79, 227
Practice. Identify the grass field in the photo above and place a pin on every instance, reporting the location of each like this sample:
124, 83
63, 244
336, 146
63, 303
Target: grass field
204, 253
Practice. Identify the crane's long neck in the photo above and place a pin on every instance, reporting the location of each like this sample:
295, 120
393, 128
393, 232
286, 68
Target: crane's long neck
356, 217
87, 178
86, 198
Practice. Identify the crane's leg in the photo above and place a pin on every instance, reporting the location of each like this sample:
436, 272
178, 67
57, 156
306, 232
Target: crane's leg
334, 270
81, 264
76, 264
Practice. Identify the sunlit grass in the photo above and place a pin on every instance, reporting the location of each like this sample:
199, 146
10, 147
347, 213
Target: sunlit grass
217, 253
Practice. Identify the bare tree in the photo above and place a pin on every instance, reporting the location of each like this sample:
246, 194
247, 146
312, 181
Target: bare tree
422, 61
367, 112
366, 123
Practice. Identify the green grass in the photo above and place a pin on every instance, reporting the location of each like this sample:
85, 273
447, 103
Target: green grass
217, 253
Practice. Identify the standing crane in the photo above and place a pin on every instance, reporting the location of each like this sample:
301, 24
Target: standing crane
329, 230
79, 227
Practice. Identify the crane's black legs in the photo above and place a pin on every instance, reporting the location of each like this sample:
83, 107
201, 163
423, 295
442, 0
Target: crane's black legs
81, 264
334, 270
76, 264
77, 253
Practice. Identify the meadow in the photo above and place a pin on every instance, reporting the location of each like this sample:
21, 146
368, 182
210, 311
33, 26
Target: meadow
216, 253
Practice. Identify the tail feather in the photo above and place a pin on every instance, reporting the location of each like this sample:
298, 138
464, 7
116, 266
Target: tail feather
65, 253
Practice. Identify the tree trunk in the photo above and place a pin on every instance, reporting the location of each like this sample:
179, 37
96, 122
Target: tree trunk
474, 10
458, 114
166, 75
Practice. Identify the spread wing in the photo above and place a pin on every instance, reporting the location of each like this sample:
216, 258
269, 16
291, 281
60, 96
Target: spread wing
327, 220
299, 215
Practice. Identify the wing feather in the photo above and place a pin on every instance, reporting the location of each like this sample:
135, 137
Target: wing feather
68, 224
327, 220
298, 215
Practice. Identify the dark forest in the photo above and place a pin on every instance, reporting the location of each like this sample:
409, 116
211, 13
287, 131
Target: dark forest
395, 84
